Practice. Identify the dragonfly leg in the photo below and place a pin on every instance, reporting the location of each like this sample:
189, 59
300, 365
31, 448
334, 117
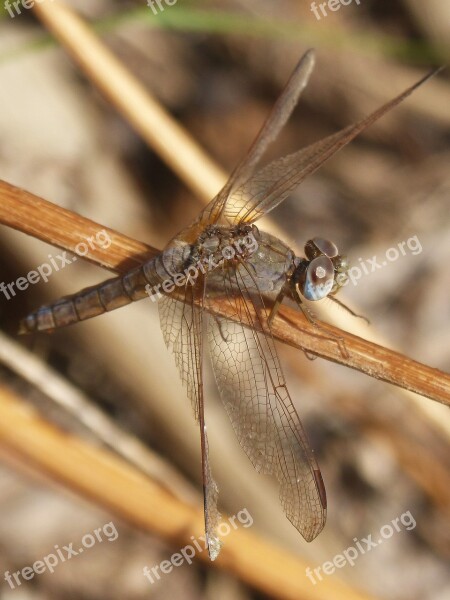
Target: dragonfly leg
349, 310
277, 305
331, 336
307, 312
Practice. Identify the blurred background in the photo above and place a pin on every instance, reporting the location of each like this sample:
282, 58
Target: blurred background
218, 67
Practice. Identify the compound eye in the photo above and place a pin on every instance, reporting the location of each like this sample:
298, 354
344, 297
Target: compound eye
319, 246
325, 247
319, 278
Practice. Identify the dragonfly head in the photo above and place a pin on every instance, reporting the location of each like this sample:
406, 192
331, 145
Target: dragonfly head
322, 272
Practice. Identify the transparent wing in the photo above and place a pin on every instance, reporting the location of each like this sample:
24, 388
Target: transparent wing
181, 328
254, 393
276, 120
275, 182
181, 324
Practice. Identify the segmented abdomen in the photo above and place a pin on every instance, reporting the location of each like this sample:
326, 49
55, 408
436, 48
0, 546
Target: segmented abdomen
95, 300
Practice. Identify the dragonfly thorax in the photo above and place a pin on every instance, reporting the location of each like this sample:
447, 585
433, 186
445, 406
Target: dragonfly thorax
219, 244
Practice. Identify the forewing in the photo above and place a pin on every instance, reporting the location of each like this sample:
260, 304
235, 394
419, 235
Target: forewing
181, 328
275, 182
254, 393
181, 324
276, 120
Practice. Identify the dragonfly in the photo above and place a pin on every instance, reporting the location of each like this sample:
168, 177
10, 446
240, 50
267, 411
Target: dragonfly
224, 256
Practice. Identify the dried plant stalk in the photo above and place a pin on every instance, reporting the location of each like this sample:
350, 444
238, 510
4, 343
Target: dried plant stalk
117, 486
174, 145
59, 390
35, 216
204, 177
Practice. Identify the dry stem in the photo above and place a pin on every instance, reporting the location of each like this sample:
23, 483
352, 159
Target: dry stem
132, 100
28, 213
114, 484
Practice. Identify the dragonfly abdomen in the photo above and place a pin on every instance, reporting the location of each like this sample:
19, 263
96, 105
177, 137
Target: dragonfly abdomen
90, 302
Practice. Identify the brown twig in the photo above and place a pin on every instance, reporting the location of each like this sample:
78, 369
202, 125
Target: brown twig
58, 389
112, 483
32, 215
175, 146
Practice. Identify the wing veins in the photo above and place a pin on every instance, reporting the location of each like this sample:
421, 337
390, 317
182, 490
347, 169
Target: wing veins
280, 438
286, 173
